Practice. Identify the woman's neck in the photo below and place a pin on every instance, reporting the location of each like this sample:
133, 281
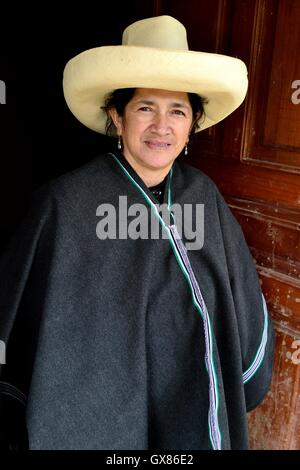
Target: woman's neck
150, 176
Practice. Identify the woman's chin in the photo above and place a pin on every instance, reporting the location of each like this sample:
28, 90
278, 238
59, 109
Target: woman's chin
158, 160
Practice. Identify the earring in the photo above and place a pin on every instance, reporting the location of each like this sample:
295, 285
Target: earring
119, 143
186, 151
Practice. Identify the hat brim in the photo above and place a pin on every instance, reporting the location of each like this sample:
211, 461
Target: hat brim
92, 75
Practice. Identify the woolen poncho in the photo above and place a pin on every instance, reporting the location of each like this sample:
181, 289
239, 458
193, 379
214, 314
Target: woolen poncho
132, 344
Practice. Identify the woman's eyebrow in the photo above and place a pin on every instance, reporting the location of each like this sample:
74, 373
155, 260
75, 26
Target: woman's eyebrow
148, 102
175, 104
179, 105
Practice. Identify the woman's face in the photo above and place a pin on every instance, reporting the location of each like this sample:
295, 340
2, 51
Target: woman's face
154, 128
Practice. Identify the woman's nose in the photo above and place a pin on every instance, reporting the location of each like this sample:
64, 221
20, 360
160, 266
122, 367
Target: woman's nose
161, 123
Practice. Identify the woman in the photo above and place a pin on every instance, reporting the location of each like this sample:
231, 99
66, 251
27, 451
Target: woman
121, 337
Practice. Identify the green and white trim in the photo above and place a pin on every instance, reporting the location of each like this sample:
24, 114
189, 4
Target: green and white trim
259, 356
183, 261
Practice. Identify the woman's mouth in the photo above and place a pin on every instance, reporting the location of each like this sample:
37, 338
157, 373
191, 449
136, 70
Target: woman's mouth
157, 144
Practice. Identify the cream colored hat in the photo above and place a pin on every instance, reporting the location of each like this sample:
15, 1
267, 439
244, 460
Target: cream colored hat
154, 54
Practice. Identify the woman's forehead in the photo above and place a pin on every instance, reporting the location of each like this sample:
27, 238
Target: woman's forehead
153, 94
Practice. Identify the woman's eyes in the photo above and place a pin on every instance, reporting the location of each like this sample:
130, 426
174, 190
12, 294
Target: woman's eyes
177, 112
145, 108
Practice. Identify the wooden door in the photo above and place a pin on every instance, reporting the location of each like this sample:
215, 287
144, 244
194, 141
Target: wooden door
254, 157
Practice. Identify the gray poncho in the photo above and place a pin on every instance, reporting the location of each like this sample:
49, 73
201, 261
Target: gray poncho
132, 343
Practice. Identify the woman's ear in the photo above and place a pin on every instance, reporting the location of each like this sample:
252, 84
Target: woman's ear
117, 120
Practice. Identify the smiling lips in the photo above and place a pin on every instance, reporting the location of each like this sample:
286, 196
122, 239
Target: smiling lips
157, 144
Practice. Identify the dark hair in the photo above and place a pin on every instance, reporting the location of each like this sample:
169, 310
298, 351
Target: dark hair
119, 98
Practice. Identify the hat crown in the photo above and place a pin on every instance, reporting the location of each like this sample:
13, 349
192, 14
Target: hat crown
160, 32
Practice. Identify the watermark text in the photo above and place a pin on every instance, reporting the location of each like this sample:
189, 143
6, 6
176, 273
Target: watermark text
134, 222
2, 352
2, 92
296, 94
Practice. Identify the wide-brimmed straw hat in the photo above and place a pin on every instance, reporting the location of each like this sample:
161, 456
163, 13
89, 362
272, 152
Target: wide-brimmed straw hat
154, 54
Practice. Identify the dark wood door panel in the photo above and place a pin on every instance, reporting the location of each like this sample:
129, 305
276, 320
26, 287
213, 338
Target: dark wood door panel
271, 135
266, 225
249, 181
276, 423
283, 299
